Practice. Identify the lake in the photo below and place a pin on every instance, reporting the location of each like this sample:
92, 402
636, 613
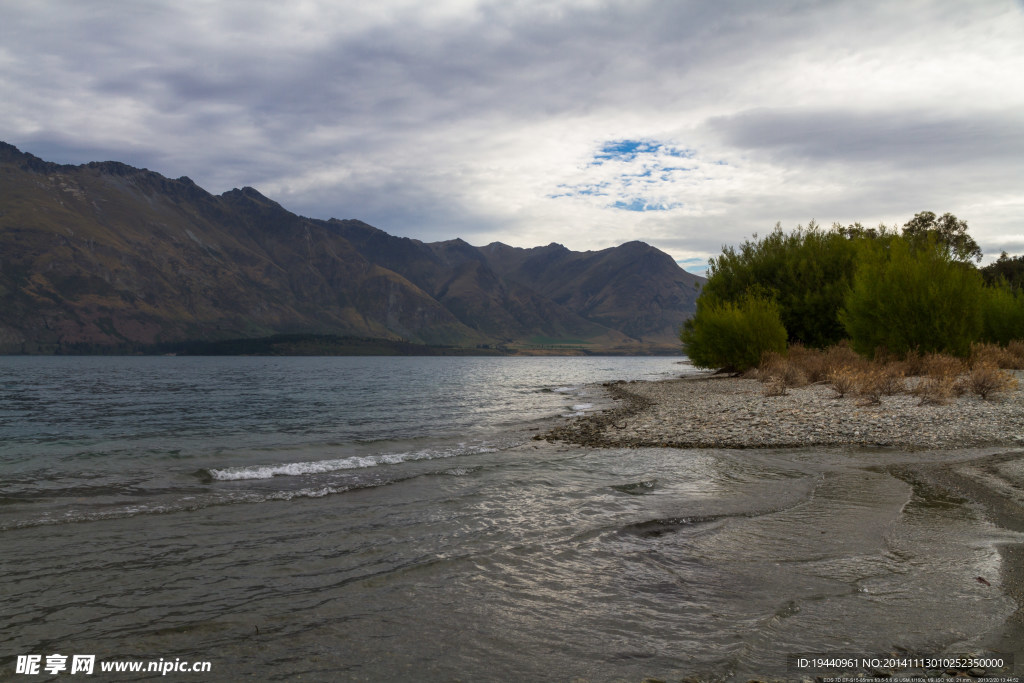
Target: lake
384, 519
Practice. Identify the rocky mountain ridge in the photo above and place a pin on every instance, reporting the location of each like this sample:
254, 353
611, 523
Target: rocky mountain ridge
106, 256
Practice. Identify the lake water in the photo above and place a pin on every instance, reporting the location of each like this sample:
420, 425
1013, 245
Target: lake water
392, 519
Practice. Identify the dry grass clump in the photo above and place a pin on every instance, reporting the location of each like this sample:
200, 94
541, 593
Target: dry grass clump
984, 375
843, 367
939, 382
838, 366
913, 364
843, 381
986, 379
1016, 349
811, 366
892, 379
871, 380
993, 354
778, 373
811, 362
936, 390
876, 381
942, 365
869, 385
942, 376
814, 365
841, 356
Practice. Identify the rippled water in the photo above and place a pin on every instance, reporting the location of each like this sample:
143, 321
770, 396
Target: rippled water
88, 438
390, 519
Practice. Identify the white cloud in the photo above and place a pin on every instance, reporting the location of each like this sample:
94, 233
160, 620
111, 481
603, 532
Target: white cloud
483, 119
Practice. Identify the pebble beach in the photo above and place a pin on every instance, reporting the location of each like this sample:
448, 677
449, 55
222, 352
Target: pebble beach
729, 412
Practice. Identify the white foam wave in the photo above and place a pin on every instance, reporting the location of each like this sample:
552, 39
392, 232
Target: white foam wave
294, 469
461, 471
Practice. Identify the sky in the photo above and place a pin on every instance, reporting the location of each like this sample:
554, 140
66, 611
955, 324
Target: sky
687, 125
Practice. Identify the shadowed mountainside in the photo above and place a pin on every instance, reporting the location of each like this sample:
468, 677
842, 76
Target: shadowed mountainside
104, 256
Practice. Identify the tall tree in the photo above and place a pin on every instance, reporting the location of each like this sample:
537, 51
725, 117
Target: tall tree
948, 230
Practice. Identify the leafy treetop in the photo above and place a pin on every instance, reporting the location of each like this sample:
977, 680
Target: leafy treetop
948, 230
1008, 269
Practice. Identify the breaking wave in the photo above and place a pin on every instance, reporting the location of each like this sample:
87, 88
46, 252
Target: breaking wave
295, 469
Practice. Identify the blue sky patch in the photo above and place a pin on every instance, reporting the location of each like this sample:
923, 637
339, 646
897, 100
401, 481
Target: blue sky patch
679, 153
628, 150
637, 175
635, 205
623, 150
640, 204
697, 266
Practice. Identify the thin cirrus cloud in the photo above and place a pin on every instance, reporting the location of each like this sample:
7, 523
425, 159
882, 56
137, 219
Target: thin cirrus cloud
685, 124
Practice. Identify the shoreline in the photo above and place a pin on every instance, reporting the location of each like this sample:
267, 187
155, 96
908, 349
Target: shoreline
733, 413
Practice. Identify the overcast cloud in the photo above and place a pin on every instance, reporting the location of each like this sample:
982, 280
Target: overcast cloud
688, 125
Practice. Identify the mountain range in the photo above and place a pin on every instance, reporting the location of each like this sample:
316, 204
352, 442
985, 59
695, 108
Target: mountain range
105, 257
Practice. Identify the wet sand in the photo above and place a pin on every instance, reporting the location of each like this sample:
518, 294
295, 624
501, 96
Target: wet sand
994, 484
725, 412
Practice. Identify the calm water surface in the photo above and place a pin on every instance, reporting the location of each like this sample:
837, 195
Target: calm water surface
388, 519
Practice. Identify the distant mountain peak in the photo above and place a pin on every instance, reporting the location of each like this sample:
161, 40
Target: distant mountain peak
117, 168
11, 154
248, 193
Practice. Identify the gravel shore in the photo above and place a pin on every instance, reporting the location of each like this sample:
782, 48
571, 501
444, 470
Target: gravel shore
728, 412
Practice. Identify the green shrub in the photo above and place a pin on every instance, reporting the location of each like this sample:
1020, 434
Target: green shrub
733, 335
912, 295
810, 273
807, 272
1002, 314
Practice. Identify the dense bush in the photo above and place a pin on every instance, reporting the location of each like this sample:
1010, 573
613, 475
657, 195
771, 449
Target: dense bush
903, 294
912, 295
733, 335
807, 272
1002, 314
